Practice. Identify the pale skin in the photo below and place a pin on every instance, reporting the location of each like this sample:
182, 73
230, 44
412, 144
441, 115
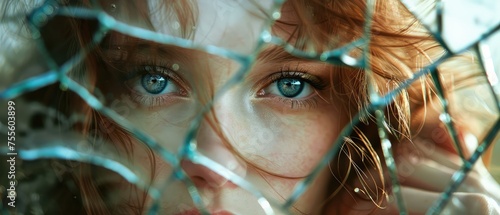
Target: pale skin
279, 137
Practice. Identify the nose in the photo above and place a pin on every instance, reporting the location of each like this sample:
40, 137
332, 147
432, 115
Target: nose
210, 143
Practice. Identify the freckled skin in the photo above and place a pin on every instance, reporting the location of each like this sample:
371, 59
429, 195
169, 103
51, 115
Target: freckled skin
262, 139
270, 136
269, 141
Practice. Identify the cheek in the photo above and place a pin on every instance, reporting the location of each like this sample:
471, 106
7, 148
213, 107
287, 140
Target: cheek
303, 140
310, 202
168, 126
287, 144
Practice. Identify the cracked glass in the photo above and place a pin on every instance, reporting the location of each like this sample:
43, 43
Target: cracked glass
249, 107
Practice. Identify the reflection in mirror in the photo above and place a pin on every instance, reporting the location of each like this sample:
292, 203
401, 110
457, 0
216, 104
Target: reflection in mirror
248, 107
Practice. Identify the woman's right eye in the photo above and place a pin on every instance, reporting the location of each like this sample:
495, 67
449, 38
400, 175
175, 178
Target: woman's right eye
158, 84
153, 86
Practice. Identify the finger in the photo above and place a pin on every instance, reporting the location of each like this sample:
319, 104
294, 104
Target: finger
428, 174
416, 201
419, 201
430, 150
424, 174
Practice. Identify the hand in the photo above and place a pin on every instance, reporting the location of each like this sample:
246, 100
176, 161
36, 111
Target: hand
427, 172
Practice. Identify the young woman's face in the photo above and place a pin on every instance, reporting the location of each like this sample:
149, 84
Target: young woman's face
271, 128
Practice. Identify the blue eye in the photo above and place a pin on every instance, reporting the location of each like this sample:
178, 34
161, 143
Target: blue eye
154, 83
154, 86
290, 87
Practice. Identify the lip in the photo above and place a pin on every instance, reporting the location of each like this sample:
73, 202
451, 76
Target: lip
222, 213
196, 212
189, 212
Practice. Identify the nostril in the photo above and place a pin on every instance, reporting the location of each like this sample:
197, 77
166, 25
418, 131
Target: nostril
202, 176
199, 181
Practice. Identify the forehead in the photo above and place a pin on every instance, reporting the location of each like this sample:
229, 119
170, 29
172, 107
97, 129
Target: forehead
231, 24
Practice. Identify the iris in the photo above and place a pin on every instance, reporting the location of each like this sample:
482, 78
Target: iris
154, 83
290, 87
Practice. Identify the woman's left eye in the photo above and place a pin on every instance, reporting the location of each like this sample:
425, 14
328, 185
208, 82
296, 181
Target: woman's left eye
290, 88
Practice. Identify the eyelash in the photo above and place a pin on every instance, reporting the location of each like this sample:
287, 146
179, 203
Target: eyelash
153, 101
298, 74
302, 75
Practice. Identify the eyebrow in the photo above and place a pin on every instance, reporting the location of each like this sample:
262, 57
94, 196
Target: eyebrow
272, 53
277, 54
127, 45
276, 57
143, 48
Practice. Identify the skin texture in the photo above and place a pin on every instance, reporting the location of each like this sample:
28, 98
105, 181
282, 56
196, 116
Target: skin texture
268, 139
262, 136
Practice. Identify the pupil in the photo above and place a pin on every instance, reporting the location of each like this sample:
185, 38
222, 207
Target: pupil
290, 87
154, 84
